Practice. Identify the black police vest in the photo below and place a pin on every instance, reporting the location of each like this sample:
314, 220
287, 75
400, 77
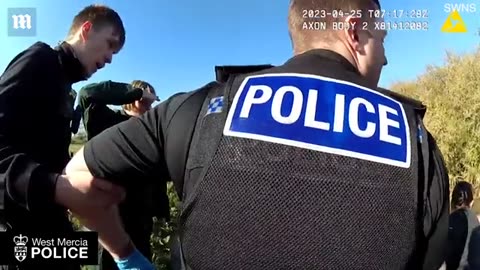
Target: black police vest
252, 204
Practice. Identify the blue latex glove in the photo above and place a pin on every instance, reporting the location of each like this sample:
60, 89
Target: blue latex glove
135, 261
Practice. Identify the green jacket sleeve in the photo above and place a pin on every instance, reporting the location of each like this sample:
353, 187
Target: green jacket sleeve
109, 93
93, 101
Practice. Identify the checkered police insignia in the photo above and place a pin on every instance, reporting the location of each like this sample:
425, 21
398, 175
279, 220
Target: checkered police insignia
215, 105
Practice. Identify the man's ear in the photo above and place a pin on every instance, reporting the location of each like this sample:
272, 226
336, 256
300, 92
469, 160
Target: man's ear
86, 28
138, 103
353, 26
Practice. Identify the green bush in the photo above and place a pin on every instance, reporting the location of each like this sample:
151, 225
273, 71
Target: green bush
452, 95
163, 232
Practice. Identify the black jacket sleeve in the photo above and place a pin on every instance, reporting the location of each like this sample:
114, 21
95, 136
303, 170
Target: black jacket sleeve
22, 180
437, 204
130, 150
93, 101
457, 237
109, 93
434, 195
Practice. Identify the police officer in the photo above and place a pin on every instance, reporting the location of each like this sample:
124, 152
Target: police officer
36, 113
301, 166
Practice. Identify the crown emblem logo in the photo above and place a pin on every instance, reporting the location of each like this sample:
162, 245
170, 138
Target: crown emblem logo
20, 240
20, 248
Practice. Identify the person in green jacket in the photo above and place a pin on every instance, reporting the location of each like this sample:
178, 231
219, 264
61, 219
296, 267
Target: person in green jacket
144, 202
135, 98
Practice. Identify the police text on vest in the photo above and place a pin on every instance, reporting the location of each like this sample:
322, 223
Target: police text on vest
321, 114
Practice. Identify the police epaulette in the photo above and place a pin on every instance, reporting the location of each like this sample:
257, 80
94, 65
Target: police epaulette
416, 104
223, 72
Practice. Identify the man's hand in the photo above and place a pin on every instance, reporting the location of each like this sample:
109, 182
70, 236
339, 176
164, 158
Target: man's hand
81, 193
94, 202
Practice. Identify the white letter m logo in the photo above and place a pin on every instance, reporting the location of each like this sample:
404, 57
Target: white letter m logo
22, 21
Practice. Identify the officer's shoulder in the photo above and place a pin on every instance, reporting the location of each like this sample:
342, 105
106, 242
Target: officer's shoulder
223, 73
170, 106
181, 97
417, 105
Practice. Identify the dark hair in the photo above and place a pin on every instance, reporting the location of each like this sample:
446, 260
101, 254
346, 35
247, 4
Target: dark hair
462, 194
100, 16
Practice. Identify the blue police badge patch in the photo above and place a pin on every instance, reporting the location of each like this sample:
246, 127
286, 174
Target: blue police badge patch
215, 105
321, 114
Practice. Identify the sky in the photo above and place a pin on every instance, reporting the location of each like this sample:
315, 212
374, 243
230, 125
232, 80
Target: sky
175, 45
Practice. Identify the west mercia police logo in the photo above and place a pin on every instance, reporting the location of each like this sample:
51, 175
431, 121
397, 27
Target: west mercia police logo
20, 247
56, 248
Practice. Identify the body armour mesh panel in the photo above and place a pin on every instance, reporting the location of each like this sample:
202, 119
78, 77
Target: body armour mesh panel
269, 206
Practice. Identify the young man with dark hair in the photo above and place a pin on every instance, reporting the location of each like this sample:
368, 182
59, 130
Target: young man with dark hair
34, 146
306, 165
